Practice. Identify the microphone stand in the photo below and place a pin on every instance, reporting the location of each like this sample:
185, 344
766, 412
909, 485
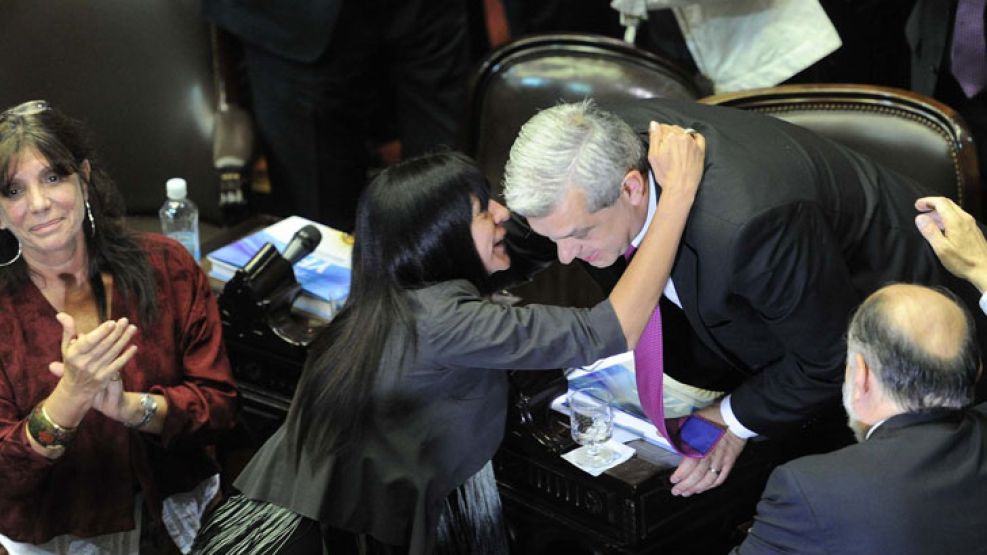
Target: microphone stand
267, 342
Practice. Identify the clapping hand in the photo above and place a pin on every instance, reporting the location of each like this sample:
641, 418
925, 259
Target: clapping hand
91, 361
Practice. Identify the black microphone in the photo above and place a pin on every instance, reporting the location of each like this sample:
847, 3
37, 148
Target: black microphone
302, 243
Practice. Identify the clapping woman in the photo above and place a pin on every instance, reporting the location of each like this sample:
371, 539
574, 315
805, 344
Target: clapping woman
113, 377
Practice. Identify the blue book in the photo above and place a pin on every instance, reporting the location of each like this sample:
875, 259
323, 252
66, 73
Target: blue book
324, 274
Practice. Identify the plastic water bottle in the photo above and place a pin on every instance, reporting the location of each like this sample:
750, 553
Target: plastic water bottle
180, 217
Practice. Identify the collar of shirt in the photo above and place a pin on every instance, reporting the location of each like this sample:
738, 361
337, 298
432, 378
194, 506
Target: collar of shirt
669, 292
652, 207
874, 427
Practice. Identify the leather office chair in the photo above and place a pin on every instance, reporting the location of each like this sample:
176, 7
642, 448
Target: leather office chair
540, 71
143, 78
907, 132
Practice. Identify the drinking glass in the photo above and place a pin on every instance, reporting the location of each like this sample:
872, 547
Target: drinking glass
591, 424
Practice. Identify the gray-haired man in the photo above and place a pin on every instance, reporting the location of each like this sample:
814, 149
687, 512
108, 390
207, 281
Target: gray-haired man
916, 481
789, 232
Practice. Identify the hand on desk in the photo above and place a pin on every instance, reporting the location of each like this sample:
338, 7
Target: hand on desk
698, 475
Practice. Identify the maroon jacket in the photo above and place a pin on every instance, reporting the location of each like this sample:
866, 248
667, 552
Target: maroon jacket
90, 490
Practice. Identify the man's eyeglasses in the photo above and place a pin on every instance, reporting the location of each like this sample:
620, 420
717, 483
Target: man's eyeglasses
29, 108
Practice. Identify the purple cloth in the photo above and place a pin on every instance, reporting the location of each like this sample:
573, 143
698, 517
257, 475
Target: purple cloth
969, 50
692, 436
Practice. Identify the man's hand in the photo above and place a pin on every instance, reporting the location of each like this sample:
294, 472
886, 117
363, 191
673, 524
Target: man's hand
955, 238
698, 475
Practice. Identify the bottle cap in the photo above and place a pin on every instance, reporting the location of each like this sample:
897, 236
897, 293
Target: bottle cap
176, 188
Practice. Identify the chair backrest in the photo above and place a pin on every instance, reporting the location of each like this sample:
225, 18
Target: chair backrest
539, 71
138, 74
907, 132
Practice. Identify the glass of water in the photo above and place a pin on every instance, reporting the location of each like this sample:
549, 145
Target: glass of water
591, 424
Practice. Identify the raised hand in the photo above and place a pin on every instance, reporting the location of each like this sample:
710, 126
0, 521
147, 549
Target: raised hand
676, 156
955, 237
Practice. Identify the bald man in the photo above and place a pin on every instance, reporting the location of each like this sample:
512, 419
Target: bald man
916, 481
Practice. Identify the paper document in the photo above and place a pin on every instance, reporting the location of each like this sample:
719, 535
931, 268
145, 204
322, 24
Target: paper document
616, 375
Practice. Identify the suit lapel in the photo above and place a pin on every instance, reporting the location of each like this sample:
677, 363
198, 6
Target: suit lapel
685, 277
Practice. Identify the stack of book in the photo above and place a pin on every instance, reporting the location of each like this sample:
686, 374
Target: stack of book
324, 274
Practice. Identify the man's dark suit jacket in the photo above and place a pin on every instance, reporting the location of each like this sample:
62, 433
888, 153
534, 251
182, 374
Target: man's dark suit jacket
789, 232
916, 486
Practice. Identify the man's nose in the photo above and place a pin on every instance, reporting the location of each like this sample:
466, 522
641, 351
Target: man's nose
567, 251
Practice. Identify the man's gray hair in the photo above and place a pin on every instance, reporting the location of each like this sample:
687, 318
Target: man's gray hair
570, 145
913, 377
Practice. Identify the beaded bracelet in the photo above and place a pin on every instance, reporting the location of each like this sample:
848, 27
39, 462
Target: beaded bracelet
46, 432
150, 406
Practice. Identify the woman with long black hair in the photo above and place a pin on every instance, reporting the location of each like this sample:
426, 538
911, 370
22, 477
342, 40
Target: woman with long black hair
402, 401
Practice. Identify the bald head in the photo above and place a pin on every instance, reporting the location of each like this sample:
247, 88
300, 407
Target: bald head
925, 317
921, 344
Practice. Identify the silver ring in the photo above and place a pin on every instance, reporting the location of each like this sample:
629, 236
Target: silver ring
690, 131
115, 377
714, 471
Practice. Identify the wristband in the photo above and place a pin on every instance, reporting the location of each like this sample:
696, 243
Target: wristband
46, 432
150, 406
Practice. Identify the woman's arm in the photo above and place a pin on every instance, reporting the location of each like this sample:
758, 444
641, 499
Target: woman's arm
89, 364
459, 329
199, 403
676, 158
187, 386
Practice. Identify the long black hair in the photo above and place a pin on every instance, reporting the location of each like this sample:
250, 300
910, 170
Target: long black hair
412, 230
112, 248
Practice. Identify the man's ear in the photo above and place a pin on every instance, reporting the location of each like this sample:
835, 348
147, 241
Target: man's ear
635, 187
860, 380
869, 392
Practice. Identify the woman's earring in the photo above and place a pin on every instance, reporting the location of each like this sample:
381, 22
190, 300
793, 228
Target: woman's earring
16, 256
92, 221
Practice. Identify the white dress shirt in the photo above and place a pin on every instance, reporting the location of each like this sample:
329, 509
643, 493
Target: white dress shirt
726, 410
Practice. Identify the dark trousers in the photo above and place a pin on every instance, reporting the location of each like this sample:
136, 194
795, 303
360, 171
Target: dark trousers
392, 67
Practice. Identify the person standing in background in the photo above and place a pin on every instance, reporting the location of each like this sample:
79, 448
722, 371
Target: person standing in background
322, 73
949, 60
736, 45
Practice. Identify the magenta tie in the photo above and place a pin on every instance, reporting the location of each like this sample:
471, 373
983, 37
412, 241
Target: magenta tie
969, 48
692, 436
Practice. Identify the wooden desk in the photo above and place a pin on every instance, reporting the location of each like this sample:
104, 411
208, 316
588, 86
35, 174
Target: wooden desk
553, 507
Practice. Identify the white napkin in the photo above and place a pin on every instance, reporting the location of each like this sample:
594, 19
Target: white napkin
623, 453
